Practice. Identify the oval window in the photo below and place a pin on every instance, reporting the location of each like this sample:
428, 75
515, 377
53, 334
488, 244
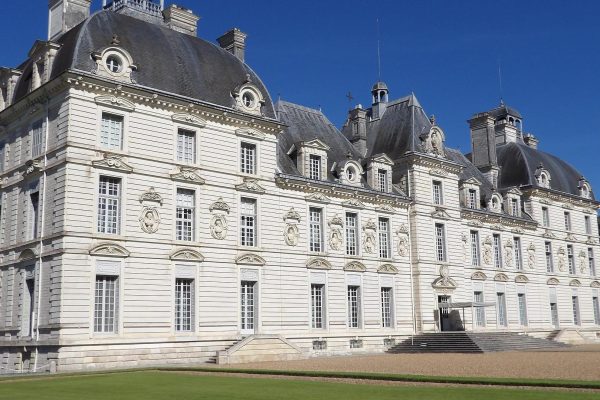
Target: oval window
114, 64
248, 100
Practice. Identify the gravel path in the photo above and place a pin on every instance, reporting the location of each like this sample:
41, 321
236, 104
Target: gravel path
580, 363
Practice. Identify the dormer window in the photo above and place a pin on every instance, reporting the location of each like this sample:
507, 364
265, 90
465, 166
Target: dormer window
114, 64
543, 177
472, 199
514, 207
469, 193
314, 167
248, 99
585, 190
382, 180
311, 158
350, 173
379, 173
513, 202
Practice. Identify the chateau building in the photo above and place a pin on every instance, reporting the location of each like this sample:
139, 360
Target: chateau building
165, 210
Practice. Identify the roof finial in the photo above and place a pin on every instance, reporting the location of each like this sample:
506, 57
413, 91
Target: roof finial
115, 40
432, 119
378, 52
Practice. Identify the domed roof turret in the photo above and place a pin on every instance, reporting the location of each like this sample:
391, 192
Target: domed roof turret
379, 86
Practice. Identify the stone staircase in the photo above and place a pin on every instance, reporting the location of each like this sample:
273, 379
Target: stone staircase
473, 342
257, 348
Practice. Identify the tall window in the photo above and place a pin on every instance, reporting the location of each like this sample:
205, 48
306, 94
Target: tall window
596, 306
105, 307
111, 133
553, 307
186, 146
518, 253
316, 229
384, 238
28, 307
497, 251
588, 225
475, 254
472, 199
571, 259
317, 297
522, 309
314, 166
501, 309
567, 221
549, 261
109, 194
545, 217
440, 242
2, 156
576, 314
514, 207
351, 234
437, 192
248, 158
479, 311
248, 222
591, 262
184, 215
184, 304
36, 139
353, 306
34, 214
386, 307
382, 180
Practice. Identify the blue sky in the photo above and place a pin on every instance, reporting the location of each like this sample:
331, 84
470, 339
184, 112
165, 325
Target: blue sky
447, 53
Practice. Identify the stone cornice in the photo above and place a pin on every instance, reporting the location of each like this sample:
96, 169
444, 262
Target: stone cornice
494, 218
430, 161
544, 193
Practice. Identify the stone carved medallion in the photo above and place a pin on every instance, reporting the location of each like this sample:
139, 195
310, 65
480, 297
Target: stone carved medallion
149, 218
369, 241
582, 261
508, 253
562, 263
291, 233
402, 234
444, 281
531, 256
464, 238
336, 239
218, 222
487, 250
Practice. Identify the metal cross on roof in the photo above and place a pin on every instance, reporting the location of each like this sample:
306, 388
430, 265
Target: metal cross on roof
350, 97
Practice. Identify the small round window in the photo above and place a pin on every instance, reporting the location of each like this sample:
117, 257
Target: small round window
114, 64
248, 99
351, 174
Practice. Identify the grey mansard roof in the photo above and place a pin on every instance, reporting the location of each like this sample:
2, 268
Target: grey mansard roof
167, 60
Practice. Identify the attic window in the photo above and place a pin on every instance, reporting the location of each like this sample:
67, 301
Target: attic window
114, 64
248, 99
351, 174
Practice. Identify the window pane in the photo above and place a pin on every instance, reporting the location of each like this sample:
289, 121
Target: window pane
316, 230
440, 242
109, 192
184, 215
351, 234
384, 238
105, 307
248, 158
248, 222
353, 306
183, 304
317, 296
314, 167
111, 132
386, 307
186, 146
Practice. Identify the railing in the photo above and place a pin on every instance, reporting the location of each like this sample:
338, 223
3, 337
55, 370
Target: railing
147, 6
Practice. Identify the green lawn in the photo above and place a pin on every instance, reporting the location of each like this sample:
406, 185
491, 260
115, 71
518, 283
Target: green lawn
151, 385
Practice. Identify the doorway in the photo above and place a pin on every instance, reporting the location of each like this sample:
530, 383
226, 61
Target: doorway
444, 313
248, 307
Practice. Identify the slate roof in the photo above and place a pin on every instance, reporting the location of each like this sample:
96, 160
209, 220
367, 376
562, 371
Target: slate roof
167, 60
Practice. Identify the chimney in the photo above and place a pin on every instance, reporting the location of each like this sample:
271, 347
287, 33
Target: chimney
234, 41
358, 128
181, 20
531, 140
63, 15
483, 144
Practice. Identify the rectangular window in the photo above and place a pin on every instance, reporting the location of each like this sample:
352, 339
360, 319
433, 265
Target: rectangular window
549, 260
472, 200
596, 306
518, 253
501, 307
522, 309
2, 156
571, 259
184, 305
248, 222
105, 307
382, 180
34, 214
316, 229
186, 146
386, 307
479, 311
588, 225
36, 139
111, 133
514, 207
317, 297
351, 234
591, 262
28, 307
440, 242
545, 217
314, 167
248, 158
497, 251
384, 238
109, 194
184, 215
353, 306
475, 254
437, 192
567, 221
576, 315
247, 306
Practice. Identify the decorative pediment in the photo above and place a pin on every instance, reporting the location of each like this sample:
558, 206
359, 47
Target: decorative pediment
188, 119
318, 263
354, 203
471, 181
27, 254
514, 191
115, 102
545, 201
440, 213
109, 249
478, 276
575, 282
444, 282
385, 208
186, 255
112, 161
187, 174
336, 220
552, 281
501, 277
595, 284
317, 197
518, 231
250, 185
590, 240
402, 229
382, 158
219, 205
567, 206
521, 279
32, 166
250, 133
438, 172
370, 225
316, 144
355, 266
250, 259
548, 234
387, 269
497, 227
292, 215
570, 237
151, 196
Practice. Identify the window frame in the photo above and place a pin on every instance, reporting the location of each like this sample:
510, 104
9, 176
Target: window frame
349, 216
256, 221
115, 275
591, 261
37, 145
384, 234
120, 231
315, 160
390, 307
568, 224
178, 325
437, 198
194, 216
320, 224
246, 142
545, 217
440, 248
518, 253
185, 129
350, 311
382, 180
571, 260
115, 113
497, 251
549, 257
475, 248
322, 287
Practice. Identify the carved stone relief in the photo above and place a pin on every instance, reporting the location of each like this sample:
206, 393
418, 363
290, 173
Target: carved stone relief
218, 222
582, 261
336, 239
291, 233
561, 259
508, 253
487, 250
369, 241
402, 235
444, 281
149, 218
531, 256
464, 238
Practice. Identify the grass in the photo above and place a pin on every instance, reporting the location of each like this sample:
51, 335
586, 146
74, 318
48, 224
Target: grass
154, 385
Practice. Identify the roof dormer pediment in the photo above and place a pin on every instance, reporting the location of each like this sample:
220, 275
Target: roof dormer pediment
382, 158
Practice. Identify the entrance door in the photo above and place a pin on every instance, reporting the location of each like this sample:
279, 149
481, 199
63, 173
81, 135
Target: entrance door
248, 307
501, 307
479, 311
444, 313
